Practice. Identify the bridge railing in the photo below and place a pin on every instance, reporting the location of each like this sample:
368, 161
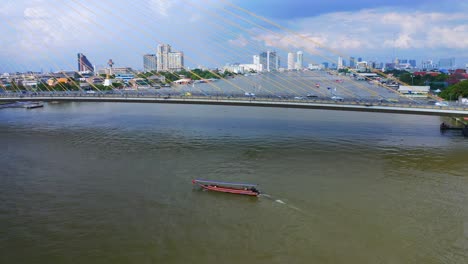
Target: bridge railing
219, 97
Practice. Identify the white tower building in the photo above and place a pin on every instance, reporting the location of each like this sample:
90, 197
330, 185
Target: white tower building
300, 60
340, 62
290, 61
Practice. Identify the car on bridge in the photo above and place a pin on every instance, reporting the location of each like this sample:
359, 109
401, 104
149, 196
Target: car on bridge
441, 103
337, 98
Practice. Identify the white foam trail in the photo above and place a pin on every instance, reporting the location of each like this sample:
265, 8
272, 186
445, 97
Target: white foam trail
282, 202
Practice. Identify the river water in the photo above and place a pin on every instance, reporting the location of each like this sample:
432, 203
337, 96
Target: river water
111, 183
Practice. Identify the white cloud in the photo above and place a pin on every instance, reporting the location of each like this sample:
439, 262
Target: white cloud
448, 37
241, 41
376, 30
161, 7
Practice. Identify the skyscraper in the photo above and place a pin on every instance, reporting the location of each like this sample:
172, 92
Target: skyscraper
290, 61
84, 64
269, 61
175, 61
162, 54
340, 62
300, 60
352, 62
149, 62
264, 61
168, 60
447, 63
256, 59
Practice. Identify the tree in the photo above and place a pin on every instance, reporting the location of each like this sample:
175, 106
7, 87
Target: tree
455, 91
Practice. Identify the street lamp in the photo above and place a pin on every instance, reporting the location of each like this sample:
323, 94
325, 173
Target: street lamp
412, 76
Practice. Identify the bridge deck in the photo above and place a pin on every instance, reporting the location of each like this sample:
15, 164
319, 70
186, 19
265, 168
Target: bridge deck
260, 102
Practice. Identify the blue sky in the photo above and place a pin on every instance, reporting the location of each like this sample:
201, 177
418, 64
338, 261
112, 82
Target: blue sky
287, 10
47, 34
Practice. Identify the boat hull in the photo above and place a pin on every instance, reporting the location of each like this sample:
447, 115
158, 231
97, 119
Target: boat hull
227, 189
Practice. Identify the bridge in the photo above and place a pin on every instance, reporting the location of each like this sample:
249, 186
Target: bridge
322, 104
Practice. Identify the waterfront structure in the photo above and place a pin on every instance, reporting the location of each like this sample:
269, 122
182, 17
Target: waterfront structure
300, 60
414, 91
84, 65
269, 61
290, 61
313, 66
242, 68
149, 62
168, 60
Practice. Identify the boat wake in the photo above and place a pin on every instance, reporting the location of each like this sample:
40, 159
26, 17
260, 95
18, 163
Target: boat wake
281, 202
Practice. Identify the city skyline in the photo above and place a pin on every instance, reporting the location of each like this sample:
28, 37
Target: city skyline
40, 36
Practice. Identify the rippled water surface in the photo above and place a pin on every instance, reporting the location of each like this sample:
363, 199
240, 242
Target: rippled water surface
111, 183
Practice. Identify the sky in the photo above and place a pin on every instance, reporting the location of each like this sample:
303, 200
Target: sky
44, 35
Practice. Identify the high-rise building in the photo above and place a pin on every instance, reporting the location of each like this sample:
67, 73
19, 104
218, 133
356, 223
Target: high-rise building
149, 62
340, 62
168, 60
162, 54
412, 63
325, 65
175, 61
256, 59
84, 64
352, 62
428, 65
290, 61
269, 61
300, 60
447, 63
264, 60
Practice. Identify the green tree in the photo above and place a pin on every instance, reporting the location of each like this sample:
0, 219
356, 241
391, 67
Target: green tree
456, 90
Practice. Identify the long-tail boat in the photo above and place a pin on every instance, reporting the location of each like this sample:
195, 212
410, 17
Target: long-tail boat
228, 187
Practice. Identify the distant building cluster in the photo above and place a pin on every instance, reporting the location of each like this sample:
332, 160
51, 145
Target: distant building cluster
167, 60
164, 60
267, 61
396, 64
